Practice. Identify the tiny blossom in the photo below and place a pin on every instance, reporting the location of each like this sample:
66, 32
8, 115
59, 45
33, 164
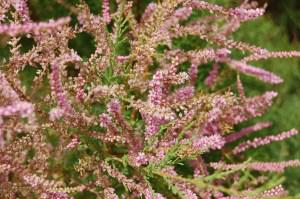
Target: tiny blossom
139, 159
109, 193
6, 90
182, 94
263, 141
74, 142
149, 10
24, 109
56, 113
222, 54
122, 59
52, 195
275, 191
212, 76
240, 87
80, 94
105, 120
193, 72
114, 107
150, 195
22, 8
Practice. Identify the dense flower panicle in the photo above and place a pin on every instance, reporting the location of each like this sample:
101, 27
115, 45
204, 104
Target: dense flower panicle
193, 72
277, 191
6, 90
251, 108
244, 14
267, 55
56, 113
109, 193
74, 142
181, 95
105, 11
259, 73
259, 166
264, 140
149, 10
245, 131
205, 143
240, 87
24, 109
34, 28
22, 9
135, 111
139, 159
212, 76
56, 82
240, 13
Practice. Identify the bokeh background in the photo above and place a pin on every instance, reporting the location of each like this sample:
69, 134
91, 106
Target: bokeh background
279, 29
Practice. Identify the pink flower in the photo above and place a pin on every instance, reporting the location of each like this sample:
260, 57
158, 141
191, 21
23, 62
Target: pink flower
264, 140
259, 73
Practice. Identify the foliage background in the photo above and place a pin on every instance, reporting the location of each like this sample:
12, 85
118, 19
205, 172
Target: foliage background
279, 29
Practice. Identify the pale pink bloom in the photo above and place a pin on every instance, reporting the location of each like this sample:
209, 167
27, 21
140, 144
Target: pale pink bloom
212, 76
258, 166
56, 113
264, 140
259, 73
74, 142
245, 131
105, 11
34, 28
205, 143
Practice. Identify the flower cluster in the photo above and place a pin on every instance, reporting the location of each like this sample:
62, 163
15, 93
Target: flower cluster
125, 123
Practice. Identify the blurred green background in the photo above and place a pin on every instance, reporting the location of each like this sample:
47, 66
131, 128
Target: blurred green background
279, 29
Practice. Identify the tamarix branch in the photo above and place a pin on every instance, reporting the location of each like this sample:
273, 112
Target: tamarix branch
134, 123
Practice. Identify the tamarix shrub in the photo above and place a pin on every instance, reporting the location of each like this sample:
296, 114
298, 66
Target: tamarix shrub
138, 118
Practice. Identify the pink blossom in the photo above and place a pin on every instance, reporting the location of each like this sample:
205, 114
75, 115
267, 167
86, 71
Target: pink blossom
24, 109
74, 142
259, 73
105, 11
205, 143
258, 166
264, 140
256, 127
244, 14
56, 113
34, 28
212, 76
56, 82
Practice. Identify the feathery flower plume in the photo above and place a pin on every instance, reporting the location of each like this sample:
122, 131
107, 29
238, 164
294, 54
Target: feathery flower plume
264, 140
34, 28
212, 76
245, 131
205, 143
105, 11
259, 73
258, 166
267, 55
56, 82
